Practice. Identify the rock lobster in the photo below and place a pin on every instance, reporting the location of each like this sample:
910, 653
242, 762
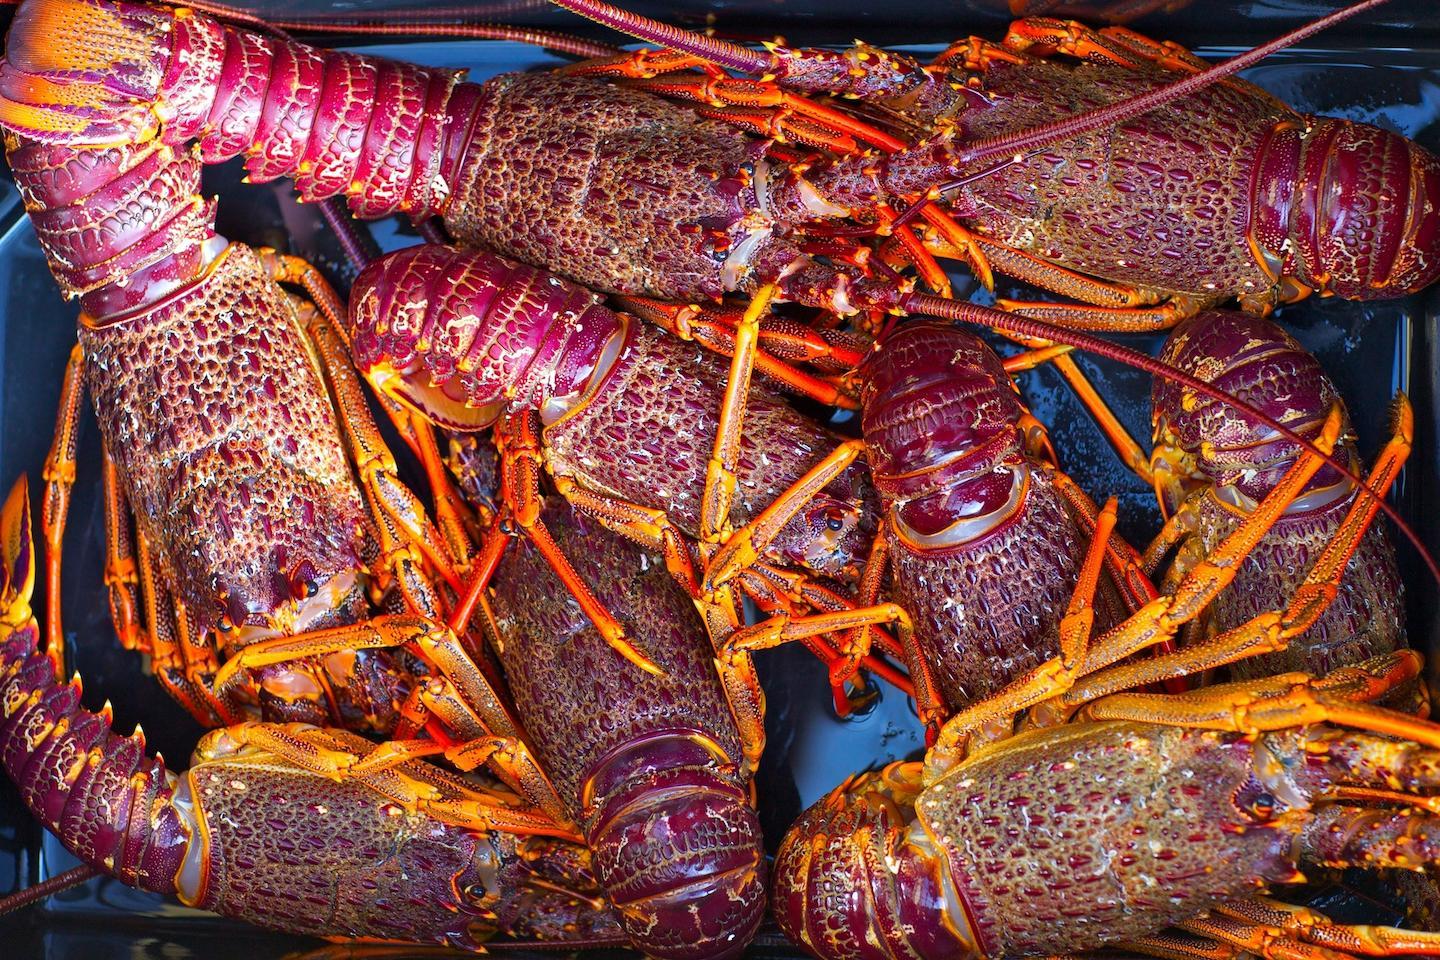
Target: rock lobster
258, 827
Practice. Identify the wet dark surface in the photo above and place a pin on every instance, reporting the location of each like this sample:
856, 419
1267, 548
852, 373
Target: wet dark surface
1379, 72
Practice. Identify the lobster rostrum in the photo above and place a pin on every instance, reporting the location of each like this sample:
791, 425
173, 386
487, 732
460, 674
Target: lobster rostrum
1210, 468
1221, 194
280, 824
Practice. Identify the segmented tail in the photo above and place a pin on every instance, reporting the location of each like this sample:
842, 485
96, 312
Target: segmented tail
96, 72
109, 803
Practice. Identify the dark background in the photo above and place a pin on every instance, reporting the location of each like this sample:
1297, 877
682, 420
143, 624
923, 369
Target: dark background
1385, 70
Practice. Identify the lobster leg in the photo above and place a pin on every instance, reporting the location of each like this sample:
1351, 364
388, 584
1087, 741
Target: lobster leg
521, 453
1121, 559
715, 331
374, 461
464, 684
1309, 926
1125, 446
59, 476
1274, 629
181, 668
122, 575
1280, 931
452, 515
312, 749
1042, 682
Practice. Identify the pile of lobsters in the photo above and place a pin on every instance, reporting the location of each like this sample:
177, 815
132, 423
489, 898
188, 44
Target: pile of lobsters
518, 701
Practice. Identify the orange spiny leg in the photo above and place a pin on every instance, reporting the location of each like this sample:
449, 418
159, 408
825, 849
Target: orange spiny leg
819, 597
1078, 316
744, 547
784, 629
931, 273
639, 64
1125, 445
452, 514
1121, 559
122, 576
1044, 37
166, 641
715, 331
784, 339
962, 243
403, 514
647, 526
59, 476
409, 782
720, 478
1104, 306
461, 681
977, 53
772, 601
1274, 629
1160, 619
1262, 915
518, 437
720, 91
1049, 678
1271, 704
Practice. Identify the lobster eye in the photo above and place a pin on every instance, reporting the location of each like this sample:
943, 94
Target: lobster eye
835, 520
1263, 806
308, 588
225, 624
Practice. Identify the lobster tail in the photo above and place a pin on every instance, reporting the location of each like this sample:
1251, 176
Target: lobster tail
857, 879
677, 847
95, 72
458, 335
1356, 207
98, 792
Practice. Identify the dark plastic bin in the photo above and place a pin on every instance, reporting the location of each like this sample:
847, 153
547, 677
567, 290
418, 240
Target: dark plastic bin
1383, 68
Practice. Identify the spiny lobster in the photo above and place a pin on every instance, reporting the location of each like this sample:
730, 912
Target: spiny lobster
651, 767
1146, 813
1209, 469
279, 824
1228, 193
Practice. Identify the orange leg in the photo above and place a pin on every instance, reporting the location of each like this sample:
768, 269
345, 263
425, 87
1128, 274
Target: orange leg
461, 695
183, 670
59, 476
1272, 630
1045, 680
408, 781
122, 576
1104, 306
518, 437
715, 331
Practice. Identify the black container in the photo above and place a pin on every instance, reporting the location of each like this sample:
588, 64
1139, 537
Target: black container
1383, 68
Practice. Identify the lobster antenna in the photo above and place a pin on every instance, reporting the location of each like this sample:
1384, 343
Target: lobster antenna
47, 888
549, 40
734, 57
974, 313
723, 53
